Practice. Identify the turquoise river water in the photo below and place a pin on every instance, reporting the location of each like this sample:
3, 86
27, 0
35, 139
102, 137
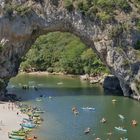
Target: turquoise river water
59, 121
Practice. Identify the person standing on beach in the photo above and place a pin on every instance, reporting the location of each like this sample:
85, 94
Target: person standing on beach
8, 106
12, 107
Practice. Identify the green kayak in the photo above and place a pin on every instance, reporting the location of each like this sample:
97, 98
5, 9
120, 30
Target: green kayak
18, 134
17, 137
36, 115
39, 111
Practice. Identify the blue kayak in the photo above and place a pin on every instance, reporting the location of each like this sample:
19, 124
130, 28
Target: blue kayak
88, 108
28, 125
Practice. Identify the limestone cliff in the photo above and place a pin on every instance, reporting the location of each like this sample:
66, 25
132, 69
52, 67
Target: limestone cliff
115, 40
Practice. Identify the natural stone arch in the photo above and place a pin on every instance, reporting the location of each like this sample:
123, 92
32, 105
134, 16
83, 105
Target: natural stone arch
19, 31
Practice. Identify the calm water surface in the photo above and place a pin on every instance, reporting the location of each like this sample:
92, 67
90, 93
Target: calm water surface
59, 122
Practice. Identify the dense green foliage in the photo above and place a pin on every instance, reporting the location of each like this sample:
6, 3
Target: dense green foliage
101, 9
62, 52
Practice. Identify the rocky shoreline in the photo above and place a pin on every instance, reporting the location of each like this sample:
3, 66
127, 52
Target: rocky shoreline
93, 79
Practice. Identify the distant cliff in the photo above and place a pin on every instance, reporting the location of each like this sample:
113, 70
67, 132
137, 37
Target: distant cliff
111, 28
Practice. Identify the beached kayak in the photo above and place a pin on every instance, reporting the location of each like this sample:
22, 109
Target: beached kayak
36, 115
39, 111
28, 125
28, 120
17, 137
17, 134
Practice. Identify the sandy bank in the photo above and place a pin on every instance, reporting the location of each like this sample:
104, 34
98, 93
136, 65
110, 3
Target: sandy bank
9, 120
43, 73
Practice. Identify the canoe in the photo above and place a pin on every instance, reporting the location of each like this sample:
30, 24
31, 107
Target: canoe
88, 108
30, 138
114, 100
123, 138
38, 122
36, 115
20, 131
39, 111
120, 129
28, 125
17, 137
38, 100
60, 83
17, 134
121, 116
27, 129
28, 120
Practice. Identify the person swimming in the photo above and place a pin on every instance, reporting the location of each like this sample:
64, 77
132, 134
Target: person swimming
103, 120
134, 122
87, 130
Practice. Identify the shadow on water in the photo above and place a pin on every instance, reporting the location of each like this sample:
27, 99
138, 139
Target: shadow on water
113, 92
31, 94
55, 86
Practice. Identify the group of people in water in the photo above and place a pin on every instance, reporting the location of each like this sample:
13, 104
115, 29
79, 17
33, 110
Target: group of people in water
103, 120
26, 87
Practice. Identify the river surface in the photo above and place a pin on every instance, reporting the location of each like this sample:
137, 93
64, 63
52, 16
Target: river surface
59, 121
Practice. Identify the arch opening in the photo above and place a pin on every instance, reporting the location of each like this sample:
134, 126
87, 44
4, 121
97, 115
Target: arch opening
111, 41
64, 53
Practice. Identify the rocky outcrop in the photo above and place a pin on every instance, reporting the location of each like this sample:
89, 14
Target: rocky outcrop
22, 21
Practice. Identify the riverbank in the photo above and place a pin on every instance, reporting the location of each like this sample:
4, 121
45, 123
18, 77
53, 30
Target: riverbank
9, 119
92, 79
43, 73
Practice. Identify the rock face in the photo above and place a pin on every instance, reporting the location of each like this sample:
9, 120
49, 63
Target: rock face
19, 28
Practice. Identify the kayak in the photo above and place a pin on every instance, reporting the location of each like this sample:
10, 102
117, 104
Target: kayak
60, 83
27, 129
28, 125
20, 131
38, 122
17, 137
114, 100
30, 138
121, 116
38, 100
28, 120
39, 111
120, 129
123, 138
17, 134
35, 115
88, 108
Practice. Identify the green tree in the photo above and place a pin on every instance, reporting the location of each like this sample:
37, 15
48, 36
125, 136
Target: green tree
61, 52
